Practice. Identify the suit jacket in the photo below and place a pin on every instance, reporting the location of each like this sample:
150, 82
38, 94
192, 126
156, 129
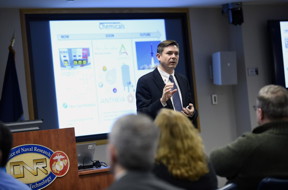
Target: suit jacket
149, 91
140, 181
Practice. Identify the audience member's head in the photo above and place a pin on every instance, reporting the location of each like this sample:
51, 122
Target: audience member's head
180, 146
133, 142
272, 104
5, 144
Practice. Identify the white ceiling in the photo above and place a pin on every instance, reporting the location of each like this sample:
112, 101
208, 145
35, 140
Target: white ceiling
124, 3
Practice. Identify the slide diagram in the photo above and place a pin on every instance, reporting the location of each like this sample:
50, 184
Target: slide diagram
96, 68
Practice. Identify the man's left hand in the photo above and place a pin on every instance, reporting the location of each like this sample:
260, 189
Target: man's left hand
189, 110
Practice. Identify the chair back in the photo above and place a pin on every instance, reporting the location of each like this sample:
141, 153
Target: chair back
270, 183
229, 186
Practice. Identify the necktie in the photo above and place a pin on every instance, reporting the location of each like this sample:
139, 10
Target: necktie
176, 97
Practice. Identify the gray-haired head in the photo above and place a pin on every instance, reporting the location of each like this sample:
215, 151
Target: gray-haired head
135, 138
273, 100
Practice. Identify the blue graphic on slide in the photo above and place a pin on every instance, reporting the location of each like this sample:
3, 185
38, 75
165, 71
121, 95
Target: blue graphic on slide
74, 57
146, 52
126, 77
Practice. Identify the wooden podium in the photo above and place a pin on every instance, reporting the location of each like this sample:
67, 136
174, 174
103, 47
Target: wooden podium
56, 140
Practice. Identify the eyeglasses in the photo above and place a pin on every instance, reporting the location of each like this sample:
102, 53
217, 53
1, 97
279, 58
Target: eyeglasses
255, 107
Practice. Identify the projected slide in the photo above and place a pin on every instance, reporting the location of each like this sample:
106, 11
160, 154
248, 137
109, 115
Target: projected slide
284, 41
96, 68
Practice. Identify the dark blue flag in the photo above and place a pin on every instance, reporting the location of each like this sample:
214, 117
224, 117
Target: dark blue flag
10, 104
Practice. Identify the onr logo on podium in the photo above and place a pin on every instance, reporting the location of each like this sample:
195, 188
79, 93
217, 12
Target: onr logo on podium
36, 165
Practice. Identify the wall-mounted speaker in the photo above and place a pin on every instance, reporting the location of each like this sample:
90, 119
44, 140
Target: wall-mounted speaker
224, 68
234, 13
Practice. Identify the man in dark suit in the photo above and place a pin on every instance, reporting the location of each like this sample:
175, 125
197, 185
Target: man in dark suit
163, 87
131, 149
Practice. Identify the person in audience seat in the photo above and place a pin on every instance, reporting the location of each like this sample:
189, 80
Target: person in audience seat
180, 157
7, 182
262, 152
131, 149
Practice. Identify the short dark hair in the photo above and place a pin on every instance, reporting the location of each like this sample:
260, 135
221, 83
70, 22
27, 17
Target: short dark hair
273, 100
6, 140
165, 44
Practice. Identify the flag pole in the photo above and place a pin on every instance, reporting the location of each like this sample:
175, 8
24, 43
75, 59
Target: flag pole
11, 109
12, 41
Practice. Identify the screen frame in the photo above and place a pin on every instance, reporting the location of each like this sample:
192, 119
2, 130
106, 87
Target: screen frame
28, 14
276, 52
